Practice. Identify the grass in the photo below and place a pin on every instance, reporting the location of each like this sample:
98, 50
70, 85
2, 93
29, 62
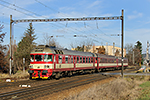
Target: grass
119, 89
145, 95
129, 88
18, 75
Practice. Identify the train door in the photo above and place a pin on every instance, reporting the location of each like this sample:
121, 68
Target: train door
74, 61
98, 60
93, 62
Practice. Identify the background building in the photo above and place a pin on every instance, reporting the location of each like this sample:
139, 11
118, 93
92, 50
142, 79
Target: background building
109, 50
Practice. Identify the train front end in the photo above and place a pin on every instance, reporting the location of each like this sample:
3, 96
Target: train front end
41, 63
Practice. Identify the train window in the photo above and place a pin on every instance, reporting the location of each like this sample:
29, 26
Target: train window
31, 58
47, 58
80, 59
66, 59
60, 59
100, 60
105, 60
71, 59
91, 59
86, 60
74, 59
77, 59
38, 57
83, 59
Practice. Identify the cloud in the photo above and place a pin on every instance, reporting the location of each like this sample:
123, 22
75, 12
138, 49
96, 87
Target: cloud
135, 15
95, 4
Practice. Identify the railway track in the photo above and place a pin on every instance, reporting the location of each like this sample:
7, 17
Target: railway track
48, 88
8, 85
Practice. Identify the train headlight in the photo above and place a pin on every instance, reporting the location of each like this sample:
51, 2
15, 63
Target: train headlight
44, 66
31, 66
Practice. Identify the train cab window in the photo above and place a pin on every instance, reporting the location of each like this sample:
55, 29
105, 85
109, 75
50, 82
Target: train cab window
54, 58
80, 59
31, 58
77, 59
66, 59
83, 59
47, 58
60, 59
38, 57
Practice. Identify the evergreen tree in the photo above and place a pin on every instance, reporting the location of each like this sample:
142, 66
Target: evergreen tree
138, 51
24, 47
139, 46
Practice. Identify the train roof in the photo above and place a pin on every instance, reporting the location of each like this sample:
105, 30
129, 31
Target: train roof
55, 50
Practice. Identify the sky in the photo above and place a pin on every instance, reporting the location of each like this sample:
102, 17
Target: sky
100, 32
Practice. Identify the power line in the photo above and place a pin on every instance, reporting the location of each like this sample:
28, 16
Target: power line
16, 10
20, 7
47, 6
31, 12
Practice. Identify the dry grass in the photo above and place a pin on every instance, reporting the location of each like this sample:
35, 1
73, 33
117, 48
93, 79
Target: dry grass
119, 89
18, 75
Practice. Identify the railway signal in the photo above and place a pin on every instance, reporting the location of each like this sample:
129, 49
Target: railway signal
67, 20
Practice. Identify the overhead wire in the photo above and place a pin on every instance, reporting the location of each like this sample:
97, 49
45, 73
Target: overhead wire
59, 12
16, 10
19, 7
23, 12
98, 31
30, 11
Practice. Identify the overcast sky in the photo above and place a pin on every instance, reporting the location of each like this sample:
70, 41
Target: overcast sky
136, 25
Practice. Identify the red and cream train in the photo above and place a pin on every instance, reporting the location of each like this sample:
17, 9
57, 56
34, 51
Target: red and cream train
47, 62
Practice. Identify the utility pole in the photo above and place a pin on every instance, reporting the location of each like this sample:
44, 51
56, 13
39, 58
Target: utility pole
122, 18
147, 53
133, 56
11, 21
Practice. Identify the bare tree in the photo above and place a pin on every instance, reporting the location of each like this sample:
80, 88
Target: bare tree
101, 50
129, 50
50, 40
3, 62
117, 53
85, 45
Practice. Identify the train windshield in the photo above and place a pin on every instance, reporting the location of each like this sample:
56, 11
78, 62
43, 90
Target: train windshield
38, 57
47, 58
31, 58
